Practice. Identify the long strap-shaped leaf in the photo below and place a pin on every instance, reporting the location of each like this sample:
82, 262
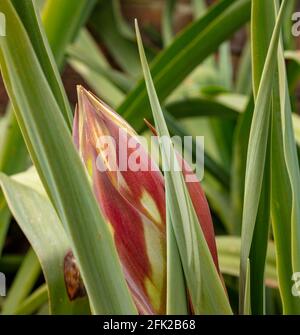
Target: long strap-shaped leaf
23, 283
187, 51
261, 20
204, 284
41, 225
177, 301
247, 301
104, 22
291, 160
256, 154
71, 18
229, 257
62, 173
281, 187
30, 19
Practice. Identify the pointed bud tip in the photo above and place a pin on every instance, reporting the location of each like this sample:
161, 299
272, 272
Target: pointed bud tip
91, 97
79, 89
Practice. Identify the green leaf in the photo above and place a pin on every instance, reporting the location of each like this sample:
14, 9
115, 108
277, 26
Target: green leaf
296, 126
259, 47
211, 165
12, 146
62, 173
291, 159
39, 222
63, 19
4, 221
86, 51
229, 257
9, 263
225, 66
200, 272
123, 26
247, 303
13, 152
257, 152
281, 215
187, 51
218, 106
223, 129
13, 158
288, 38
87, 60
243, 84
167, 21
31, 304
104, 23
238, 167
293, 67
177, 300
30, 19
285, 180
219, 201
23, 283
199, 7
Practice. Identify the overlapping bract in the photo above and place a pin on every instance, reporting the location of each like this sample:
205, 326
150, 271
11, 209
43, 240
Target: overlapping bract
132, 200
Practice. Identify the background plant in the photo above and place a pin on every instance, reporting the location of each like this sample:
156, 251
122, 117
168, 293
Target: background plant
251, 130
